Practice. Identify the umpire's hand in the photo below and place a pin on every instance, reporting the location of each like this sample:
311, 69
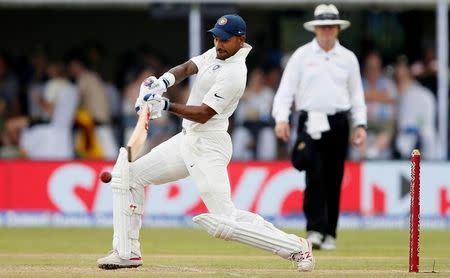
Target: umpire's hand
282, 131
359, 136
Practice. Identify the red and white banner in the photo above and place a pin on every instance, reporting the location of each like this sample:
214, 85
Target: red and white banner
272, 189
74, 187
385, 188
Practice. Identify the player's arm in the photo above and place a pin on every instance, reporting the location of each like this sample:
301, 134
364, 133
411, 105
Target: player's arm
172, 77
183, 71
219, 96
154, 86
200, 114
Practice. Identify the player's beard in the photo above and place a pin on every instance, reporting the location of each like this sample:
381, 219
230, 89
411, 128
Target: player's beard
222, 54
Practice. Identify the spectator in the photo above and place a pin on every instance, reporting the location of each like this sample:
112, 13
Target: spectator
425, 70
51, 139
35, 88
54, 139
97, 140
416, 114
380, 98
323, 79
96, 56
9, 89
53, 88
9, 107
273, 77
253, 136
10, 137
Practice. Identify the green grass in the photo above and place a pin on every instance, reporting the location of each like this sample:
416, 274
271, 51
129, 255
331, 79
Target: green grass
72, 252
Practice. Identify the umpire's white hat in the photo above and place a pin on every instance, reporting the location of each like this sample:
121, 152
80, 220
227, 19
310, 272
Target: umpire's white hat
326, 15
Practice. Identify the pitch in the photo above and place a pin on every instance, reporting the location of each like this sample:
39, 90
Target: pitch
72, 252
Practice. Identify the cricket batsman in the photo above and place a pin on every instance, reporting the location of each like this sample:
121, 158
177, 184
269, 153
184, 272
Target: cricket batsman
202, 150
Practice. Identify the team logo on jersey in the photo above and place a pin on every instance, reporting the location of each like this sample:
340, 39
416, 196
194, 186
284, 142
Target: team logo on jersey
215, 67
222, 21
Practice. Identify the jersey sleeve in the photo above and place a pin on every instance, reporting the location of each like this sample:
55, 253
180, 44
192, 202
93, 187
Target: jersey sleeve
202, 60
287, 89
359, 110
227, 89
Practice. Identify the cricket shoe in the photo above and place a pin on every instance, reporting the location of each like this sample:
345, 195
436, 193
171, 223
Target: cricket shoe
304, 259
329, 243
113, 261
315, 238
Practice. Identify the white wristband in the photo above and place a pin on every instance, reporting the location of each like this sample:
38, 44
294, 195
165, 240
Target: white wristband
168, 78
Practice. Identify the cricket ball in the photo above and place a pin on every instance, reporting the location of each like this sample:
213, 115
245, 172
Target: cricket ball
106, 177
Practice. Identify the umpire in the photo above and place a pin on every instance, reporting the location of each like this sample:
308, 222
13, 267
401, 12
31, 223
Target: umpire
323, 79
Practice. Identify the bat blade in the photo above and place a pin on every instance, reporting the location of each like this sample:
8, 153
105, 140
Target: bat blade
139, 134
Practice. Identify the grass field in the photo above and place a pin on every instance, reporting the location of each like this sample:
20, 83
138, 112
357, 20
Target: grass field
72, 252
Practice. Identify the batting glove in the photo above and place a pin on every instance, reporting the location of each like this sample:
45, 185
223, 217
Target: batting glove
143, 90
155, 86
151, 85
158, 103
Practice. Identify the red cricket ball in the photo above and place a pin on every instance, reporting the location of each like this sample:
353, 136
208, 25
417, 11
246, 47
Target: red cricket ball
106, 177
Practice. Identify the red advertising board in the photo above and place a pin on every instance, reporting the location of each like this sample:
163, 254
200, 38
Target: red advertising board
74, 186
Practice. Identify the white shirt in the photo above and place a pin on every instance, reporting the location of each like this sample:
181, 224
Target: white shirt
416, 116
219, 84
52, 90
320, 81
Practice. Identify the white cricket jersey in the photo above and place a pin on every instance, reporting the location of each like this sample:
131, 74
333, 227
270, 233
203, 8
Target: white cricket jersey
320, 81
219, 84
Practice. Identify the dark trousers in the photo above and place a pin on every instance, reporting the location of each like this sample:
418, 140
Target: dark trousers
324, 177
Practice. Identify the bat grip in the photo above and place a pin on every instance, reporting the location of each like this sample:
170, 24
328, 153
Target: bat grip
149, 115
149, 112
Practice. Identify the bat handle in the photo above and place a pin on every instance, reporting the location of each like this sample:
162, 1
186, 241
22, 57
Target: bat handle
130, 159
149, 115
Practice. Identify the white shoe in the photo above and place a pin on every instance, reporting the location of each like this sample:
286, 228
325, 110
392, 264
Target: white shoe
113, 261
315, 238
329, 243
304, 259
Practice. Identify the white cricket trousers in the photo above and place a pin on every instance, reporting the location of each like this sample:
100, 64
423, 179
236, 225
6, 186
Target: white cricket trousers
205, 156
202, 155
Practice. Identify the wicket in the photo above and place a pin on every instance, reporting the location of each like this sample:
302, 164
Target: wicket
414, 217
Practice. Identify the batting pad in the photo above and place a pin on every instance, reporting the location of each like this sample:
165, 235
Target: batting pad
256, 233
127, 208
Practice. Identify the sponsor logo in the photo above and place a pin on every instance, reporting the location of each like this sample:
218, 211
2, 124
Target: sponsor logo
217, 96
215, 67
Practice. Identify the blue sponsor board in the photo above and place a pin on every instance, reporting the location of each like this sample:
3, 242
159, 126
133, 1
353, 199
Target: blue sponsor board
346, 221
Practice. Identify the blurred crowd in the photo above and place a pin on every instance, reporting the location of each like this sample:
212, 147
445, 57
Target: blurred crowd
63, 107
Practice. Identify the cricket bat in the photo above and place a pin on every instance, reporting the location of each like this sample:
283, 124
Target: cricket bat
139, 134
